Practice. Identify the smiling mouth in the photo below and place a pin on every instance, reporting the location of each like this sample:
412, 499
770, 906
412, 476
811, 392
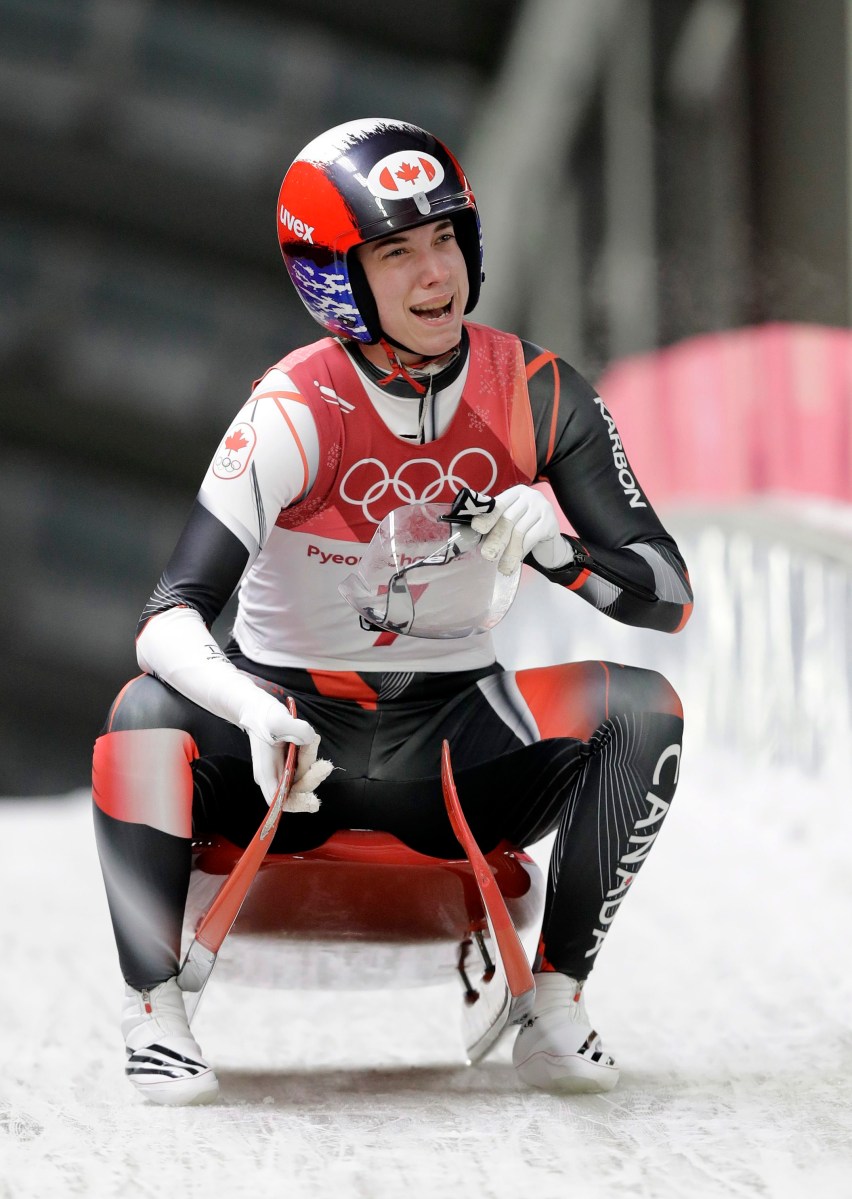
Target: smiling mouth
433, 312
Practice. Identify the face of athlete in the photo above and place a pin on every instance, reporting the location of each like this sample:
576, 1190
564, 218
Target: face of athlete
419, 280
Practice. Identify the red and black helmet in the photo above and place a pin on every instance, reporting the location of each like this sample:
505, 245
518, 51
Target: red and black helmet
353, 184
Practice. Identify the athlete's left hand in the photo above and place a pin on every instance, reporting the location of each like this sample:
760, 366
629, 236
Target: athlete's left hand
523, 521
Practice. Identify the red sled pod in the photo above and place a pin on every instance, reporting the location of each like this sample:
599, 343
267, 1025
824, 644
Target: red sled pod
363, 911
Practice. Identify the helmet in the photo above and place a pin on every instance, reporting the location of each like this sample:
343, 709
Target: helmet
423, 575
353, 184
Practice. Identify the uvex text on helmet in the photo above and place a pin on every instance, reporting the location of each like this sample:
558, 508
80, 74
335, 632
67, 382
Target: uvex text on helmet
358, 182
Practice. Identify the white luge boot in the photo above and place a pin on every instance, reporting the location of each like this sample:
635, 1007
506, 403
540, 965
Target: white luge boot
557, 1049
164, 1061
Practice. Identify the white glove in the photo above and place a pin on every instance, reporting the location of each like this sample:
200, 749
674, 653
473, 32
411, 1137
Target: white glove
523, 521
176, 646
268, 766
310, 772
270, 728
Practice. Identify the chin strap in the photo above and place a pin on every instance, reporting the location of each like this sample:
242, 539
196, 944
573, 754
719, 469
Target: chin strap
398, 370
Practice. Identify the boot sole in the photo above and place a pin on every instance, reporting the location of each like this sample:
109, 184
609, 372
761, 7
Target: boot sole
180, 1092
566, 1075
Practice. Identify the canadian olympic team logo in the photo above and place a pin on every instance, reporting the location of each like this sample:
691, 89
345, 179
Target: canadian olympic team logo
370, 485
233, 455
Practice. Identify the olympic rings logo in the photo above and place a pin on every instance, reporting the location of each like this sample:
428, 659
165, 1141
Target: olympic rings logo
367, 494
227, 463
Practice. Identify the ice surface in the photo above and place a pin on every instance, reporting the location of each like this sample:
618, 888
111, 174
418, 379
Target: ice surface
724, 988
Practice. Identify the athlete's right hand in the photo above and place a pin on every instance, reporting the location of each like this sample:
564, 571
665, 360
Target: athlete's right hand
268, 766
262, 715
270, 728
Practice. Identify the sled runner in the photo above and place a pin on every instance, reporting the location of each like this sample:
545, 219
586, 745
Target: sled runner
363, 911
216, 923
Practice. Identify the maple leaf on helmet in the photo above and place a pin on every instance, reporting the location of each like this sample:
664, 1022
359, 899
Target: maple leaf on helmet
236, 442
407, 173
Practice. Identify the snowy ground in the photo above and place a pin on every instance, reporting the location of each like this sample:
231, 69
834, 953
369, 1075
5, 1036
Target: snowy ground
724, 988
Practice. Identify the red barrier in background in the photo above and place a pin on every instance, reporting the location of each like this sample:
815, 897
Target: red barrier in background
725, 415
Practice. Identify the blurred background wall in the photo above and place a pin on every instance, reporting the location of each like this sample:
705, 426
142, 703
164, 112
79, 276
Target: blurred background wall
647, 170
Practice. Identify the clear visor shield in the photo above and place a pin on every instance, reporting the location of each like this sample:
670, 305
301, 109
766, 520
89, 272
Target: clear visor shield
423, 576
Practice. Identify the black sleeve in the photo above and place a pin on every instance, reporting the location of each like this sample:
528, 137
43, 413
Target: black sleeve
626, 564
203, 571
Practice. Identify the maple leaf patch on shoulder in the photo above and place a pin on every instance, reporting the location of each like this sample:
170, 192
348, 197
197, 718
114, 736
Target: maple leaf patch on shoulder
235, 451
